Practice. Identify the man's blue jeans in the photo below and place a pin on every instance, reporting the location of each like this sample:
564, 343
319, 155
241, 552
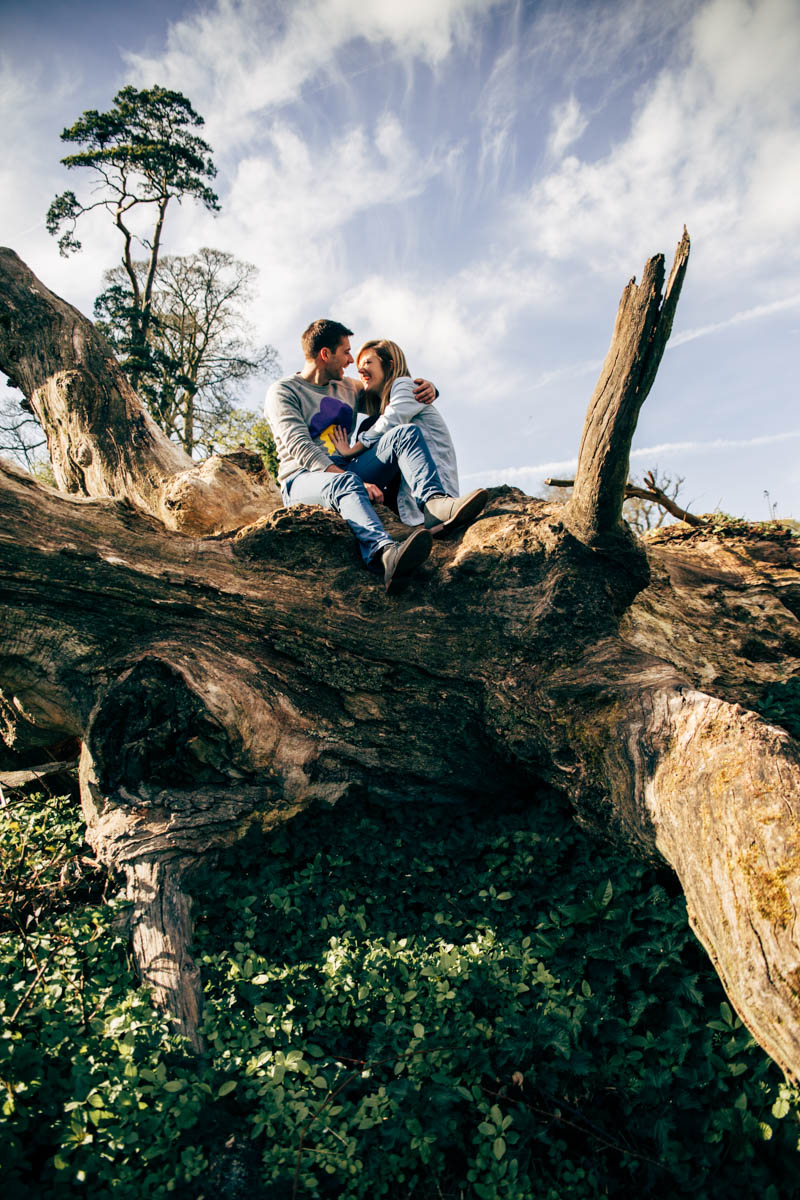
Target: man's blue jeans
402, 448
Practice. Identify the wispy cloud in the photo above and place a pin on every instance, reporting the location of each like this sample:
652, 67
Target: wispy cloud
568, 123
748, 314
592, 366
497, 112
239, 63
535, 474
704, 447
559, 374
532, 476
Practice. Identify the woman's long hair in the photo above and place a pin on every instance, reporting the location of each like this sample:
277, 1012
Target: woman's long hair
394, 365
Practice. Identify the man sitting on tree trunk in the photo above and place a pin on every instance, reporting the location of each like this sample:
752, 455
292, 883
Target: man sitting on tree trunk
304, 409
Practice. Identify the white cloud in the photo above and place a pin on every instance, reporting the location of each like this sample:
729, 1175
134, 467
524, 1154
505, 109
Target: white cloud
568, 123
430, 329
238, 61
714, 143
303, 196
25, 104
453, 324
522, 477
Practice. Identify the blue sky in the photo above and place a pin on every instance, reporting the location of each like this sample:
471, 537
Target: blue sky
477, 180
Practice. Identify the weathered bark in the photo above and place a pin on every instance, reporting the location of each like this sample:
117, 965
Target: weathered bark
161, 931
221, 682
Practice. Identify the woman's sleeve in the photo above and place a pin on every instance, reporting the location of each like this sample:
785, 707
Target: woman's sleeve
402, 407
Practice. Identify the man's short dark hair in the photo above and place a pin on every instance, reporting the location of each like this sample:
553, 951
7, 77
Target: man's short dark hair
323, 334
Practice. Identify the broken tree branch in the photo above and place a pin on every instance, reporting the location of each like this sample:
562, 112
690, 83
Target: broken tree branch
652, 492
641, 330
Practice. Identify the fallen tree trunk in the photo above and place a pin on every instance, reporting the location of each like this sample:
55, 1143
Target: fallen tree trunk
218, 682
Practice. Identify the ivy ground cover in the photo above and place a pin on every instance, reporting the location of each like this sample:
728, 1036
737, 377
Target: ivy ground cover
407, 1002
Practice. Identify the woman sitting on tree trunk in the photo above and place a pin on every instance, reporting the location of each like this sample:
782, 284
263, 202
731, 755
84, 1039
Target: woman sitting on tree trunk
388, 399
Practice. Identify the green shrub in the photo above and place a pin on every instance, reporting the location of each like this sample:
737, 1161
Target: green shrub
400, 1002
85, 1098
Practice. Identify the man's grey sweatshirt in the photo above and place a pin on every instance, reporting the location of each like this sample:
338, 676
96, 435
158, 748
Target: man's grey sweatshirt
302, 416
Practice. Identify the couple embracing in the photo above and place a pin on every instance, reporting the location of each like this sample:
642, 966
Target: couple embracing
329, 456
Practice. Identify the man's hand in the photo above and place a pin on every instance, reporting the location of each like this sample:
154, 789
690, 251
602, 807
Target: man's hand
424, 391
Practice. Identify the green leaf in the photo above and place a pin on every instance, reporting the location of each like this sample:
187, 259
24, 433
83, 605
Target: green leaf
499, 1148
226, 1088
419, 1030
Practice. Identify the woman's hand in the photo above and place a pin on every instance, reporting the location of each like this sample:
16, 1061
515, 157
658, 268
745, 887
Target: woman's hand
342, 443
